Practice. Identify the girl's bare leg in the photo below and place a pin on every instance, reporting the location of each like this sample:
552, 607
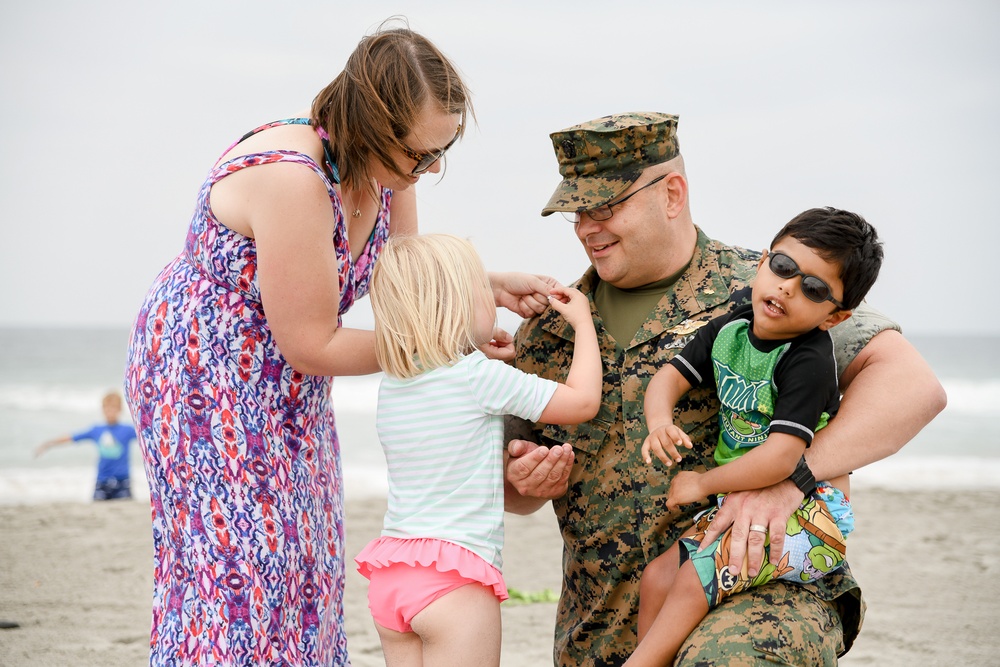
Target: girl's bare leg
400, 649
460, 628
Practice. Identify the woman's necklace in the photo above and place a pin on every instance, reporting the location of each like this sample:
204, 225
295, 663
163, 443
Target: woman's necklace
357, 207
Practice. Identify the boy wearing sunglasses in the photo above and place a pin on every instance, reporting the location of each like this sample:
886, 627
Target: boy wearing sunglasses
776, 378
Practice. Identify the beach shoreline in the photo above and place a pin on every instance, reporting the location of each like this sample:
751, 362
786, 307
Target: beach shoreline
77, 579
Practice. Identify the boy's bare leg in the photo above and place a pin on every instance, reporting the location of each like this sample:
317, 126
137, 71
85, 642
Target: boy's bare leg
683, 609
654, 586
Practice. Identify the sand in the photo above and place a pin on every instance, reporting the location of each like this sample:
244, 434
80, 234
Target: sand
77, 579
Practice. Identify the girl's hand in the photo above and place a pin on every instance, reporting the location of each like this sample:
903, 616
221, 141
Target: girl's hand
572, 304
663, 441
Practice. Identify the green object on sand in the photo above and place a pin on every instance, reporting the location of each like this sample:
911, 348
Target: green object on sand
522, 597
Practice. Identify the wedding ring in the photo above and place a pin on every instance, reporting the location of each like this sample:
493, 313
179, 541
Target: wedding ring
757, 528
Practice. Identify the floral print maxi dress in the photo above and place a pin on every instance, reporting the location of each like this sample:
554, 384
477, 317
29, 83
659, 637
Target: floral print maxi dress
241, 455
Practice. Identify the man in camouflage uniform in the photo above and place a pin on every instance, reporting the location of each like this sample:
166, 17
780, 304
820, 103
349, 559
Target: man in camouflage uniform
655, 278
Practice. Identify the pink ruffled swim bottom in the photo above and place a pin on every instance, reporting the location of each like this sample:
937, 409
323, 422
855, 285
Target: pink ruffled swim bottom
406, 575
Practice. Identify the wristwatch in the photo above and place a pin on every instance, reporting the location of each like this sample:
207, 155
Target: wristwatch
803, 478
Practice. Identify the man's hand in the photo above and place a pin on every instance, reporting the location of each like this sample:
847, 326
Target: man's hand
538, 472
770, 507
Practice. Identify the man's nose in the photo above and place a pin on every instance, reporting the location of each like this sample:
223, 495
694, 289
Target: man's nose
587, 225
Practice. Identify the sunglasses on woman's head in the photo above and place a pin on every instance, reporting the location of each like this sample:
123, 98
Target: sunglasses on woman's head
813, 288
425, 160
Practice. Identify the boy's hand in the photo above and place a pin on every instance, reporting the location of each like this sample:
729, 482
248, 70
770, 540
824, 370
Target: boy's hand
664, 441
685, 488
572, 304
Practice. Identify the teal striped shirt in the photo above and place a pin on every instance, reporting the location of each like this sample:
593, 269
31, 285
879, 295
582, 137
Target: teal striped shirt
442, 434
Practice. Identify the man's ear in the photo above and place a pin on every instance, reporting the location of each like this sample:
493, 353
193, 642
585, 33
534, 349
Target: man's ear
677, 191
835, 318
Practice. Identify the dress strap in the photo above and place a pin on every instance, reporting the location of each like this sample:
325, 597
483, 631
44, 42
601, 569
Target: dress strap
331, 167
328, 153
276, 123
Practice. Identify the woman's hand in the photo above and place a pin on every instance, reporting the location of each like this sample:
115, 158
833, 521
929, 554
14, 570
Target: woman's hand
522, 293
501, 347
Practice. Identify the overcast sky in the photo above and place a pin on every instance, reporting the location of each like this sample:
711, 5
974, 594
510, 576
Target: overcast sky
111, 113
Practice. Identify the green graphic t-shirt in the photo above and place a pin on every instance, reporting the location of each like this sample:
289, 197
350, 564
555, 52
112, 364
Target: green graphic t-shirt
750, 373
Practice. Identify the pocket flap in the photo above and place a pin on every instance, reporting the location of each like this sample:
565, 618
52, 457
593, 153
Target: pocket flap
587, 437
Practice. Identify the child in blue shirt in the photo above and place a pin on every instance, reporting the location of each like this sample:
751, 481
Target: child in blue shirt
113, 441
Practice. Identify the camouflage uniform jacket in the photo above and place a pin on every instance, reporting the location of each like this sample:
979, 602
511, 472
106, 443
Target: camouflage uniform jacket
613, 518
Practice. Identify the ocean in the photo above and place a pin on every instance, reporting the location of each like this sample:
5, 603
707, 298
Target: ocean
52, 380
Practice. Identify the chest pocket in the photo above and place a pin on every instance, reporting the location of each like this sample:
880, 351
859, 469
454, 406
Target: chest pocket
588, 437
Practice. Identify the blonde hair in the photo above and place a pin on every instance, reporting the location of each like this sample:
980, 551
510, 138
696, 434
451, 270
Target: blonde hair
425, 293
112, 397
375, 101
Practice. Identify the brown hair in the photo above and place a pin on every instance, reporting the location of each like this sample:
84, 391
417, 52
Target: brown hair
844, 238
374, 102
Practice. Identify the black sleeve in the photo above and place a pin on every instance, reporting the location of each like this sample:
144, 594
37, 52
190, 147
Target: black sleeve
695, 361
806, 383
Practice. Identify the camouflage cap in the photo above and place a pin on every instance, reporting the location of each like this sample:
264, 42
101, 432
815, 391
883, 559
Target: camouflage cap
601, 158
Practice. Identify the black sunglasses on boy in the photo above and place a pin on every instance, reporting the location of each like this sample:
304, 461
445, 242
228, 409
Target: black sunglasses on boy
813, 288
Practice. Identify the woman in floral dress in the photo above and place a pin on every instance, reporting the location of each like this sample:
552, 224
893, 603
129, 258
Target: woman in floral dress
233, 352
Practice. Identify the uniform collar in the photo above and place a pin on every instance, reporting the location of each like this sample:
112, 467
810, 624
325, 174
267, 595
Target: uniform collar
701, 287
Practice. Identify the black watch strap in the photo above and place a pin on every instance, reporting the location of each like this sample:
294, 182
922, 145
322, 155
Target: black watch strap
803, 478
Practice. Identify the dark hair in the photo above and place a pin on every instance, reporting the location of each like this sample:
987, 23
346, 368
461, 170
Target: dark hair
374, 102
842, 237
